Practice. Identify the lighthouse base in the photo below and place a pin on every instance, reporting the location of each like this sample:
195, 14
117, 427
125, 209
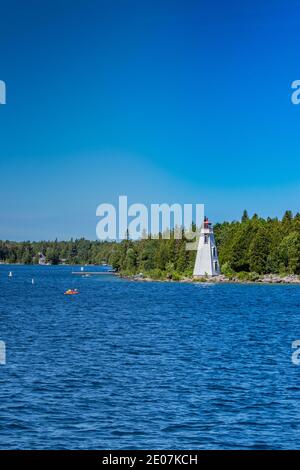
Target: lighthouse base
201, 276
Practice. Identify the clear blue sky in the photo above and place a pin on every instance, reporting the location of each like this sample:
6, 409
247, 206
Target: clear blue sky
165, 101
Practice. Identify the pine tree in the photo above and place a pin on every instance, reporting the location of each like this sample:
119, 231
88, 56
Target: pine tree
245, 216
259, 251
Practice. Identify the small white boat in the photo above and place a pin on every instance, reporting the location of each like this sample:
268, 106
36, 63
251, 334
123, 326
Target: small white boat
10, 274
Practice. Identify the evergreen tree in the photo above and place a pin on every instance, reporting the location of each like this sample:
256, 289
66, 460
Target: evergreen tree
259, 251
181, 264
130, 260
245, 216
289, 251
287, 218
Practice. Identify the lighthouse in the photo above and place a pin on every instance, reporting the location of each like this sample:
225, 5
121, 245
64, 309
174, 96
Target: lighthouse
207, 263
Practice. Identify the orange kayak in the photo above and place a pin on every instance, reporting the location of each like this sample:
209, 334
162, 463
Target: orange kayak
71, 292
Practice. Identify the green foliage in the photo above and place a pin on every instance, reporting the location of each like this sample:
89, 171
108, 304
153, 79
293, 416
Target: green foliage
227, 270
247, 249
52, 255
289, 253
245, 216
260, 246
245, 276
201, 279
156, 274
78, 251
259, 250
242, 276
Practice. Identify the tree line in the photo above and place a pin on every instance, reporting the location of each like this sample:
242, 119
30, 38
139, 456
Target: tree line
250, 245
80, 251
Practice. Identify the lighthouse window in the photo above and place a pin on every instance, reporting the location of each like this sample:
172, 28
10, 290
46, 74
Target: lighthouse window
205, 239
216, 265
214, 251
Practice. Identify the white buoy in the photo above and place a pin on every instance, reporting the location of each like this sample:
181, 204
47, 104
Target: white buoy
10, 274
32, 281
81, 268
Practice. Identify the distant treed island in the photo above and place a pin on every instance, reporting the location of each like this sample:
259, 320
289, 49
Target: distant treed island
247, 249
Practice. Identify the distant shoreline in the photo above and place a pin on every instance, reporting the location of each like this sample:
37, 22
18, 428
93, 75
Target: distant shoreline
289, 279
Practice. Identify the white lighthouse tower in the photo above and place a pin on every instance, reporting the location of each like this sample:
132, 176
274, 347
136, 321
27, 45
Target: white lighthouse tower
207, 263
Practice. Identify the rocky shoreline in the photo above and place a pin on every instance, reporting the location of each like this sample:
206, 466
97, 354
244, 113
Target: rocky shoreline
222, 279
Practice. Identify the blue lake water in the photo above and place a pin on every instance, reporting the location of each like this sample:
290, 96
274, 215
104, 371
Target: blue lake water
128, 365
